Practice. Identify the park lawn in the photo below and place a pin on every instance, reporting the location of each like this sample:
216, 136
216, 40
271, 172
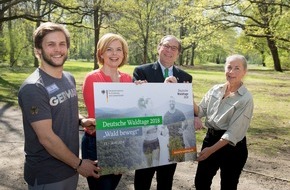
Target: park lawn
269, 133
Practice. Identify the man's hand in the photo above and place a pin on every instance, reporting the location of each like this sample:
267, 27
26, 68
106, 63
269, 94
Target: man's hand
89, 168
170, 79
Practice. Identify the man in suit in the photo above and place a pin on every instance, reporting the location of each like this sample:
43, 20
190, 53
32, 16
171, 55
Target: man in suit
163, 70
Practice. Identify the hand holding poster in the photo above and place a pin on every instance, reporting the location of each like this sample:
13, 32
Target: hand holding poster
145, 125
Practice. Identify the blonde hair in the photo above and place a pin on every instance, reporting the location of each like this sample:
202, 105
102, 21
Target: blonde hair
104, 43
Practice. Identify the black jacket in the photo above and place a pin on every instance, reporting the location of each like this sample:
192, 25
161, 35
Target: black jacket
152, 72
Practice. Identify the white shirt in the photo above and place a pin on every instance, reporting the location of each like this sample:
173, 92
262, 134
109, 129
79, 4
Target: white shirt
170, 69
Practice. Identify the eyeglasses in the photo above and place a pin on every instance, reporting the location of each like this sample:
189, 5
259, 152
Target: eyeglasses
173, 48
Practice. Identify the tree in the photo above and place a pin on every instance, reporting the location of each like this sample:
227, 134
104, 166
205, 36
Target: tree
87, 14
143, 16
258, 19
256, 48
11, 10
208, 29
198, 33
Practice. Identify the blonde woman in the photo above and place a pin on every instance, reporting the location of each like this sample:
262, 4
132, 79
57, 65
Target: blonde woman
112, 53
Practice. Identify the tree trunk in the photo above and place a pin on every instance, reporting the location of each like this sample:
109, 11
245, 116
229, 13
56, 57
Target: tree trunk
263, 58
38, 4
275, 54
187, 58
182, 31
145, 50
146, 38
97, 20
2, 44
11, 40
181, 58
192, 54
217, 59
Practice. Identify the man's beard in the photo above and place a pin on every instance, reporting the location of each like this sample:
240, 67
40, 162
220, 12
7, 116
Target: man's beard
50, 62
172, 106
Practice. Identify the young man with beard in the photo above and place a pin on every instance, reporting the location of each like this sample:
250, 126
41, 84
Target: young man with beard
49, 104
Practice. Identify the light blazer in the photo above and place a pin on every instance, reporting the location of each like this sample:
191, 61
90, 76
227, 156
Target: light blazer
151, 72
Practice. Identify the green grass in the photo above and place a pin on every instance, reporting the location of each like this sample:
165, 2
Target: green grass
269, 133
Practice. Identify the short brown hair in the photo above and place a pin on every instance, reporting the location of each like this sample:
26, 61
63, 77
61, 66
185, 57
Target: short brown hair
46, 28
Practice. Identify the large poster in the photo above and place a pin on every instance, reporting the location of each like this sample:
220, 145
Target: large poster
144, 125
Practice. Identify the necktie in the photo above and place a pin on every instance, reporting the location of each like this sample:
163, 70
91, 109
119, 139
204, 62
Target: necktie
166, 73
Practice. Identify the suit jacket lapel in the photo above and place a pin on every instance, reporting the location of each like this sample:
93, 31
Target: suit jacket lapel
176, 73
157, 72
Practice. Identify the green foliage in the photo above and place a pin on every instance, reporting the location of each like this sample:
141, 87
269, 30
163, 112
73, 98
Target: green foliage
22, 40
141, 23
82, 48
125, 151
285, 59
3, 49
209, 30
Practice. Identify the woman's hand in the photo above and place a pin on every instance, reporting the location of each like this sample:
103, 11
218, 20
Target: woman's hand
204, 154
90, 129
140, 81
89, 124
197, 123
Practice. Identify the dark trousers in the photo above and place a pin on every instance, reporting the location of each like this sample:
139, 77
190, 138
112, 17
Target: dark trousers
89, 151
229, 159
105, 182
164, 177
